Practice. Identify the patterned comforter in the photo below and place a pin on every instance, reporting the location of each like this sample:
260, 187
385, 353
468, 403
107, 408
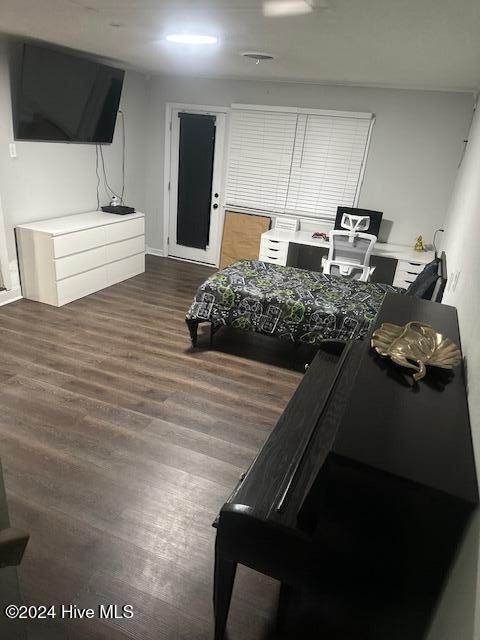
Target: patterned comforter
288, 303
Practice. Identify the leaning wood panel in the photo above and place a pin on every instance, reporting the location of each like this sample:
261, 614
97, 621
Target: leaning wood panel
241, 237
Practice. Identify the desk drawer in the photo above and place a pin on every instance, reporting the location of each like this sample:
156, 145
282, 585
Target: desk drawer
276, 247
78, 241
410, 267
406, 275
272, 260
125, 248
273, 257
403, 280
79, 262
124, 230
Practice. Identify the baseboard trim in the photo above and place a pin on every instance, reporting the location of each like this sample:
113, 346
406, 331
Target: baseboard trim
6, 297
202, 264
159, 252
15, 291
154, 252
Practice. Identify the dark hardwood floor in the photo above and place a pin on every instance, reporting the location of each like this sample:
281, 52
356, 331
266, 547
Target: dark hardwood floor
119, 445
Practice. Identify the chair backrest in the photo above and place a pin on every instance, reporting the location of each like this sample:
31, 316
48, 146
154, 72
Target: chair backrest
374, 219
354, 223
351, 247
349, 254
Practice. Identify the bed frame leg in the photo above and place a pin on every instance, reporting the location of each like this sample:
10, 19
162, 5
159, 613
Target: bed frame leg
193, 328
213, 331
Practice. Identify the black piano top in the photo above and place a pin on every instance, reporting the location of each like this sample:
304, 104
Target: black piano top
421, 431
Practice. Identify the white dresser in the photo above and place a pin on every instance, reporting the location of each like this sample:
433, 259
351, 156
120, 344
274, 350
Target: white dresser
63, 259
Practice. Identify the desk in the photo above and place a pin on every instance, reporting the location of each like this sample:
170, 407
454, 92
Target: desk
395, 263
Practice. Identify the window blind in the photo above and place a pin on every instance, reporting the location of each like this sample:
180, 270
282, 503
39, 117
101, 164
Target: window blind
296, 162
260, 157
326, 164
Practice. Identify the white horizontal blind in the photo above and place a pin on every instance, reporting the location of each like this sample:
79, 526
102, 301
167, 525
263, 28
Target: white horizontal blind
260, 157
327, 164
295, 162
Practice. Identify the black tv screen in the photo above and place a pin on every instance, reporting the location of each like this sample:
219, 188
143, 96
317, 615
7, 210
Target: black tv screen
64, 98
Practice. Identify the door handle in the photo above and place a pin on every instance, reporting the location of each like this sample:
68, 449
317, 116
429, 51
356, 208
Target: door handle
215, 206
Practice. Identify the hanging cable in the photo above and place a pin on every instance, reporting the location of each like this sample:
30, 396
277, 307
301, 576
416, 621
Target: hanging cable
105, 180
123, 155
98, 177
435, 240
107, 186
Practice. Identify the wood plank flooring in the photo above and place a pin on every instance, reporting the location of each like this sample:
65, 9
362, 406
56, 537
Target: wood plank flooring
120, 443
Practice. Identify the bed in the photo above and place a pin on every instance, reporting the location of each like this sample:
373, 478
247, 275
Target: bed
287, 303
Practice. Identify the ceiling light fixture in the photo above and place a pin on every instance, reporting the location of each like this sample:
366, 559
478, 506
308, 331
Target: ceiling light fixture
191, 38
257, 56
278, 8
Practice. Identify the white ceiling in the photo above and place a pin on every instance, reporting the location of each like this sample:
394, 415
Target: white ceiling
430, 44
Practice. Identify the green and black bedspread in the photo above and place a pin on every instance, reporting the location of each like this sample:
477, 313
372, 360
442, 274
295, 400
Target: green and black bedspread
288, 303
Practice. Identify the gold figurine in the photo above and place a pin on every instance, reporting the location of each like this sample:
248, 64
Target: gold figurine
419, 244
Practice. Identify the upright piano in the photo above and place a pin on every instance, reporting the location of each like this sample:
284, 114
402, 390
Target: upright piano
360, 497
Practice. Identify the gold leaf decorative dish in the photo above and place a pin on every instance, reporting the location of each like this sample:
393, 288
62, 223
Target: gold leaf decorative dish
415, 345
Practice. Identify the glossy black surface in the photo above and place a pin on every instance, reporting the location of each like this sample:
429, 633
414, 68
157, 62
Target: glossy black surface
64, 98
421, 431
9, 590
360, 497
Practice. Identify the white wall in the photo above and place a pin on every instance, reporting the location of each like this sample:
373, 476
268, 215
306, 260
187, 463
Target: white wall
416, 145
414, 154
53, 179
459, 617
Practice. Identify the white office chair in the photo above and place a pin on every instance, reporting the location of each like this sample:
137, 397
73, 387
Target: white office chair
349, 255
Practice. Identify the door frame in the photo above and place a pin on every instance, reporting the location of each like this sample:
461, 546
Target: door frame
170, 107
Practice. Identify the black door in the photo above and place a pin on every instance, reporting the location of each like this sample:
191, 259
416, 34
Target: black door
195, 171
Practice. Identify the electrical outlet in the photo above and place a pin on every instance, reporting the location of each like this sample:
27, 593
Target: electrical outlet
12, 149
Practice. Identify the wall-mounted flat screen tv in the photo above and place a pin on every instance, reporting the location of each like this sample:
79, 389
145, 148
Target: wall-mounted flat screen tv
64, 98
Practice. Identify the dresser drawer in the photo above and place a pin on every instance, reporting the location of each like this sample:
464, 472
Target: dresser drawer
77, 241
81, 285
125, 248
79, 262
126, 268
124, 230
